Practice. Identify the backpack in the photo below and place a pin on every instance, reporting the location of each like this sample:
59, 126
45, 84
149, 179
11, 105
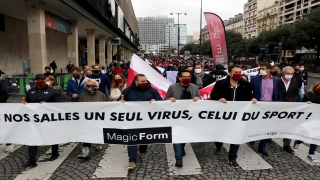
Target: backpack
129, 89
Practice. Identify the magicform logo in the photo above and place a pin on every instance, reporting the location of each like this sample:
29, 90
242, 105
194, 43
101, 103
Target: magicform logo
138, 136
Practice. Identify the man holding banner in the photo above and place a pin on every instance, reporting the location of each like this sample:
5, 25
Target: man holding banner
232, 88
182, 90
265, 88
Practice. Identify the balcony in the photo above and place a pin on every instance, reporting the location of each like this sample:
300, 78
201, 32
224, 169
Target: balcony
299, 6
288, 1
288, 20
315, 1
305, 4
288, 10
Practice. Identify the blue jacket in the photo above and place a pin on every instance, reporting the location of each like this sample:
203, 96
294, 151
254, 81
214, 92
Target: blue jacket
73, 88
134, 93
103, 81
256, 83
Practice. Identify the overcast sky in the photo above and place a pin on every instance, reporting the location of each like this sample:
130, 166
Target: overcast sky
224, 8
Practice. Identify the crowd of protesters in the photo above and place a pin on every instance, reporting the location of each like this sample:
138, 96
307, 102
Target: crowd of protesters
102, 84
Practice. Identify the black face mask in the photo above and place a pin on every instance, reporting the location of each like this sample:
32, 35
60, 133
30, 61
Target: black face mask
96, 71
76, 76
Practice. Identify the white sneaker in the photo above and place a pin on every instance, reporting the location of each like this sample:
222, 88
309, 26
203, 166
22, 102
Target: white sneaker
296, 147
312, 158
9, 149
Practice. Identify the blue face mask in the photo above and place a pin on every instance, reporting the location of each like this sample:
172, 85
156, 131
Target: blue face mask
225, 67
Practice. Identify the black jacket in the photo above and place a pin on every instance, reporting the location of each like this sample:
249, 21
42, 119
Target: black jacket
222, 90
47, 94
4, 95
206, 80
304, 75
313, 97
299, 78
292, 94
217, 75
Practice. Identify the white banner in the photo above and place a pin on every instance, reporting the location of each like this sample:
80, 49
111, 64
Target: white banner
157, 122
172, 76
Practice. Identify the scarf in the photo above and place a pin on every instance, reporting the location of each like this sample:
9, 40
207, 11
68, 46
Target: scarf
199, 77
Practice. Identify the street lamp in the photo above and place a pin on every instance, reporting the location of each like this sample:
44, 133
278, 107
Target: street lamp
178, 29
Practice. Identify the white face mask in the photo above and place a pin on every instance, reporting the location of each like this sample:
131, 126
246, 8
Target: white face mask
263, 72
302, 69
288, 77
48, 83
197, 71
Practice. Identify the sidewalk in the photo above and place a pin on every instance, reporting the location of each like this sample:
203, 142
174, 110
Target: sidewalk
314, 75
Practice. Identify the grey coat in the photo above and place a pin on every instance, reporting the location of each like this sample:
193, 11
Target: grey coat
175, 91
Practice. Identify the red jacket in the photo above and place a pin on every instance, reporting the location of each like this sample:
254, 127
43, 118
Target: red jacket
117, 70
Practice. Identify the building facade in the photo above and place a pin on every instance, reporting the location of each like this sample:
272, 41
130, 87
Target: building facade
235, 24
250, 19
292, 10
183, 35
267, 16
205, 34
157, 30
196, 36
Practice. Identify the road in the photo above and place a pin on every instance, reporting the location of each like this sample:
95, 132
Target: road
311, 81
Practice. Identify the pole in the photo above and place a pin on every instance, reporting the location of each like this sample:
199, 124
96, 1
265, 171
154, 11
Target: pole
169, 39
200, 31
178, 36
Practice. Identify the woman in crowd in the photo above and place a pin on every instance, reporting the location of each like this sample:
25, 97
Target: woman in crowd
118, 84
312, 96
51, 82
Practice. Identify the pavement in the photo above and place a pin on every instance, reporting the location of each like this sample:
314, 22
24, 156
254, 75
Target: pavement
201, 162
314, 75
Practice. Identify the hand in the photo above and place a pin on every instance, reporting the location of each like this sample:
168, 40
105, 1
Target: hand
74, 95
305, 81
123, 101
223, 100
152, 100
172, 99
309, 102
254, 100
42, 102
195, 99
24, 102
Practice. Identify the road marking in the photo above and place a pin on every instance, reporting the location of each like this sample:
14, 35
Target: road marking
248, 159
45, 169
190, 162
3, 154
302, 153
114, 163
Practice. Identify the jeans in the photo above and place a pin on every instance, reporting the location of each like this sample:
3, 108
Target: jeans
312, 148
32, 151
132, 152
263, 143
86, 145
233, 151
299, 95
178, 148
286, 142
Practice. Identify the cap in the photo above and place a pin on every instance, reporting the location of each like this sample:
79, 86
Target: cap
39, 76
219, 67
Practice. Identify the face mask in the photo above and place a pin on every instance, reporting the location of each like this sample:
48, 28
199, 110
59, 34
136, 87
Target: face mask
225, 67
41, 84
91, 90
296, 69
190, 71
288, 77
143, 85
197, 71
76, 76
118, 81
301, 69
236, 77
263, 73
48, 83
186, 81
96, 71
317, 90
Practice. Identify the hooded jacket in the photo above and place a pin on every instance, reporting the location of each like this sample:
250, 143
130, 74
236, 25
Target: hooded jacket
103, 81
134, 93
73, 88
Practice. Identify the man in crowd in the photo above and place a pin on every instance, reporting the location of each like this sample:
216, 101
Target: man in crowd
47, 72
208, 67
233, 88
289, 88
4, 95
304, 76
182, 90
1, 72
103, 80
69, 67
298, 76
275, 71
201, 79
117, 69
91, 95
265, 87
53, 65
75, 85
219, 73
139, 90
44, 94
